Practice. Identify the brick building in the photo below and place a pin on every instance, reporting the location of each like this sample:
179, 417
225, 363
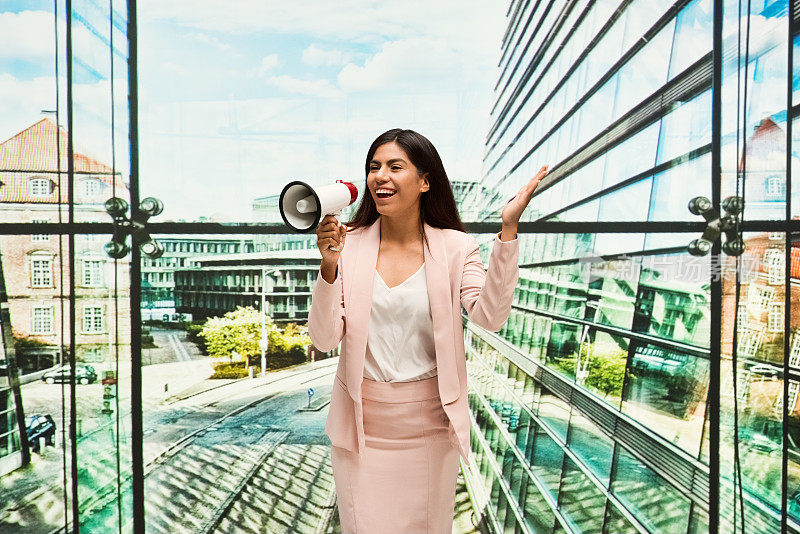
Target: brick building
37, 265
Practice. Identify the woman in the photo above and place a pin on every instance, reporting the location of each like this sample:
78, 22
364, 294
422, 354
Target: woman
398, 419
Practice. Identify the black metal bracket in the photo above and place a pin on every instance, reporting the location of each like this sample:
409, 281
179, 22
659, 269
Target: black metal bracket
135, 226
733, 207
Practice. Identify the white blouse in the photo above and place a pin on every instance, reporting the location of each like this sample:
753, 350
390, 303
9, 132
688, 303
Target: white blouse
400, 344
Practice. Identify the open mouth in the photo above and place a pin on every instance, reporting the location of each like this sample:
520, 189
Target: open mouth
385, 194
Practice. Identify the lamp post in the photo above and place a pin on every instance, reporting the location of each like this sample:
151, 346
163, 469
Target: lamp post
264, 344
264, 335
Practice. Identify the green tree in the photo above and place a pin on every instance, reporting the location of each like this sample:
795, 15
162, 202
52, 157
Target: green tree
606, 367
239, 331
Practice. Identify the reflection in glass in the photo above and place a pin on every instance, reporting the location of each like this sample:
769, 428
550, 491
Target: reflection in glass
580, 500
673, 299
752, 386
547, 459
591, 445
666, 391
658, 506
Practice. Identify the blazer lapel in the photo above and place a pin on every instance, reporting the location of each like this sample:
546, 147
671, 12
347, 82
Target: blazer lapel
360, 304
437, 276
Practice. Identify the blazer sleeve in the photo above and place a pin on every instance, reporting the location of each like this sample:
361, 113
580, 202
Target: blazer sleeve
326, 318
487, 296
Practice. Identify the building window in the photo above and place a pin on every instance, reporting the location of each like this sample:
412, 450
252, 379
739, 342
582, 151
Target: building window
742, 320
92, 319
40, 237
93, 273
42, 320
92, 187
776, 186
41, 272
774, 260
41, 187
776, 318
749, 342
759, 296
93, 354
794, 353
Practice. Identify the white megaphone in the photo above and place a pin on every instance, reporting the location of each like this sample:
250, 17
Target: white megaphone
302, 206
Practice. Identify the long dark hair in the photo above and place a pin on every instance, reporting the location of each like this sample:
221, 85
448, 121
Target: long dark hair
437, 204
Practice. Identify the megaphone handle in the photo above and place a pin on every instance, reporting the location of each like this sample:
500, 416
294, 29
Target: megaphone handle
336, 214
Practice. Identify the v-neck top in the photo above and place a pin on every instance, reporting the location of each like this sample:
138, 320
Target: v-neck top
400, 344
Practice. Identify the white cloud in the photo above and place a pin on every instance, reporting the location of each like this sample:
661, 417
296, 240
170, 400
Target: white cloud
213, 41
21, 103
477, 23
316, 56
268, 63
320, 88
27, 35
411, 63
432, 70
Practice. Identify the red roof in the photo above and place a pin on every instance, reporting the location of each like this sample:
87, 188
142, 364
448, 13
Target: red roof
36, 150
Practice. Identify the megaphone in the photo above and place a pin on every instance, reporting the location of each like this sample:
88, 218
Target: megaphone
302, 206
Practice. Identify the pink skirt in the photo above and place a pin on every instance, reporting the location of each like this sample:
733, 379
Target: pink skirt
405, 482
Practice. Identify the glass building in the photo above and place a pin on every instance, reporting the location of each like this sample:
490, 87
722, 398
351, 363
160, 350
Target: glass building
647, 379
637, 387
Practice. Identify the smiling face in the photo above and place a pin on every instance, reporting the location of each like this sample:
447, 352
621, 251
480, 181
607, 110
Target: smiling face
394, 182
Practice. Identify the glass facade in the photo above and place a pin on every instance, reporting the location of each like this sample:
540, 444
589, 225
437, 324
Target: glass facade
614, 330
636, 386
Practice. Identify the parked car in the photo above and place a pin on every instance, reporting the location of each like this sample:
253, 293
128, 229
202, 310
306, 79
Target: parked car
40, 426
84, 374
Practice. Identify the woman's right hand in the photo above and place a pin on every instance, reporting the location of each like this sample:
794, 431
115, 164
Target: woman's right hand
330, 234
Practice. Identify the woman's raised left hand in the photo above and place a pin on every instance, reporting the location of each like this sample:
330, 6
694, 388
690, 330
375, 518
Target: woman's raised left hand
513, 210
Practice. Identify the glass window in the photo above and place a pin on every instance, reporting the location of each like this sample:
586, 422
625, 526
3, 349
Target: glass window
92, 319
580, 500
667, 390
776, 317
591, 445
92, 272
616, 523
774, 261
547, 459
40, 187
656, 504
563, 345
42, 320
92, 188
673, 298
674, 188
749, 341
743, 318
693, 32
41, 272
538, 515
759, 297
794, 352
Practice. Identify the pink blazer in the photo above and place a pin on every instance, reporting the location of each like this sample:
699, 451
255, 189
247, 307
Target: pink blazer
455, 277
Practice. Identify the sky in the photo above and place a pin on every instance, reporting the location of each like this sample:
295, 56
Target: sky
238, 98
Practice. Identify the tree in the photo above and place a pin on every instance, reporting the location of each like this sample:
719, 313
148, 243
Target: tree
237, 331
240, 331
605, 366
